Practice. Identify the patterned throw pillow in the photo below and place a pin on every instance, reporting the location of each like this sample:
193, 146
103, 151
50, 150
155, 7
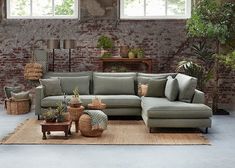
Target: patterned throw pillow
142, 89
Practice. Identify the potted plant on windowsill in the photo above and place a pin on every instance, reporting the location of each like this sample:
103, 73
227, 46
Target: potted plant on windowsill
105, 43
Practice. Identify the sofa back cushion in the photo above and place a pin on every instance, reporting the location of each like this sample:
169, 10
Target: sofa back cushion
68, 84
143, 78
113, 85
51, 86
156, 88
187, 86
172, 88
117, 75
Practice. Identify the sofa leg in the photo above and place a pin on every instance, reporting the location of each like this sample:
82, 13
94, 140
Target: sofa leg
150, 130
38, 117
206, 130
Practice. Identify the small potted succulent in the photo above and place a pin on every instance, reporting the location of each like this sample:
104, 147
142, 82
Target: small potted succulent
49, 115
105, 44
75, 100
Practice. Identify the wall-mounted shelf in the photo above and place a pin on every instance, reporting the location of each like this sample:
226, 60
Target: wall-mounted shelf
146, 61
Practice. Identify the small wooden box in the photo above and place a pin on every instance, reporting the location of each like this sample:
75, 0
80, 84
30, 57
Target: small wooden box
16, 107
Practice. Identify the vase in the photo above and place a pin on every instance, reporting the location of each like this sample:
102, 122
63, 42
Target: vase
124, 51
131, 55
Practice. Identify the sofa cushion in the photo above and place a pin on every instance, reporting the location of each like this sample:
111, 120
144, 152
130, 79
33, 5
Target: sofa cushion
51, 86
68, 84
143, 78
163, 108
112, 101
172, 88
187, 86
114, 85
156, 88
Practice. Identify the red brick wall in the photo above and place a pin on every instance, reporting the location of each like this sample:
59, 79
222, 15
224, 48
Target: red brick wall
160, 39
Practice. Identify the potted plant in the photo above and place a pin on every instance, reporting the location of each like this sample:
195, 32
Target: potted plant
132, 53
213, 20
140, 53
105, 44
60, 113
49, 115
75, 100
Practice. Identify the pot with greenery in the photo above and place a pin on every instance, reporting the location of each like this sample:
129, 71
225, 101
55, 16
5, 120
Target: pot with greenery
60, 113
75, 100
140, 53
214, 20
105, 43
49, 115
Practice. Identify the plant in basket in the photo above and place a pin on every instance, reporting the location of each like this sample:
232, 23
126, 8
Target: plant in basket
49, 115
75, 100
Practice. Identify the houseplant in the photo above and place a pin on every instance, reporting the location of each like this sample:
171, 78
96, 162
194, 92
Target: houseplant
105, 43
60, 113
75, 100
49, 115
213, 20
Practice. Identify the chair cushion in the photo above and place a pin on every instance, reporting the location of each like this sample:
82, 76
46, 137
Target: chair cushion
156, 88
51, 86
172, 88
112, 101
187, 86
114, 85
163, 108
68, 84
20, 95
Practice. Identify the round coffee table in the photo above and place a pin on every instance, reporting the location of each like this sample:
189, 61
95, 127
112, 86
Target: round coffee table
75, 113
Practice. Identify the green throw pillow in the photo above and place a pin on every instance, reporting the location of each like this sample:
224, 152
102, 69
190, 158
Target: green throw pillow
172, 88
20, 95
187, 86
52, 86
8, 90
156, 88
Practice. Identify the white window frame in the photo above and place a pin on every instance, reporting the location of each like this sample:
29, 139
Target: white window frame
188, 7
75, 16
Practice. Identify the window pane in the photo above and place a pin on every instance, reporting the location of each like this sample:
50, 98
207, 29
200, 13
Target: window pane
42, 8
64, 7
133, 7
155, 7
176, 7
19, 7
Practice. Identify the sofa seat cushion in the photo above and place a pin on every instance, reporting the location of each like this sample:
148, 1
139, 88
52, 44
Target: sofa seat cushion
163, 108
112, 101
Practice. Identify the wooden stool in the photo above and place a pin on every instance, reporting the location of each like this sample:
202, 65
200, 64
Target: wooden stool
75, 113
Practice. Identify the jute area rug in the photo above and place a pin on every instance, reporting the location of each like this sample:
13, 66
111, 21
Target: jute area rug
118, 132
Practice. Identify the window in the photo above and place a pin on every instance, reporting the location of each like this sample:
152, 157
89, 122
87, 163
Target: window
155, 9
42, 9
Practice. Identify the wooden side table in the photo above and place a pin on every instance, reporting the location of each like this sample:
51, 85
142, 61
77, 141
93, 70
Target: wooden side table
48, 127
75, 113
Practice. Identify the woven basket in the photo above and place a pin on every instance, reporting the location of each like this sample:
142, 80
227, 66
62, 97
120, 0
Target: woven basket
75, 113
86, 127
14, 107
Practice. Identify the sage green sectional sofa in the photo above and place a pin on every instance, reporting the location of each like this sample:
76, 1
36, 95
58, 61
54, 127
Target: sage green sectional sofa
119, 91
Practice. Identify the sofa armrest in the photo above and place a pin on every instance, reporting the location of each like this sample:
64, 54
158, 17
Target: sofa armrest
39, 95
199, 97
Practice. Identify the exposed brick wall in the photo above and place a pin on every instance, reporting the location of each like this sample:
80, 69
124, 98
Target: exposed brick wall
160, 39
